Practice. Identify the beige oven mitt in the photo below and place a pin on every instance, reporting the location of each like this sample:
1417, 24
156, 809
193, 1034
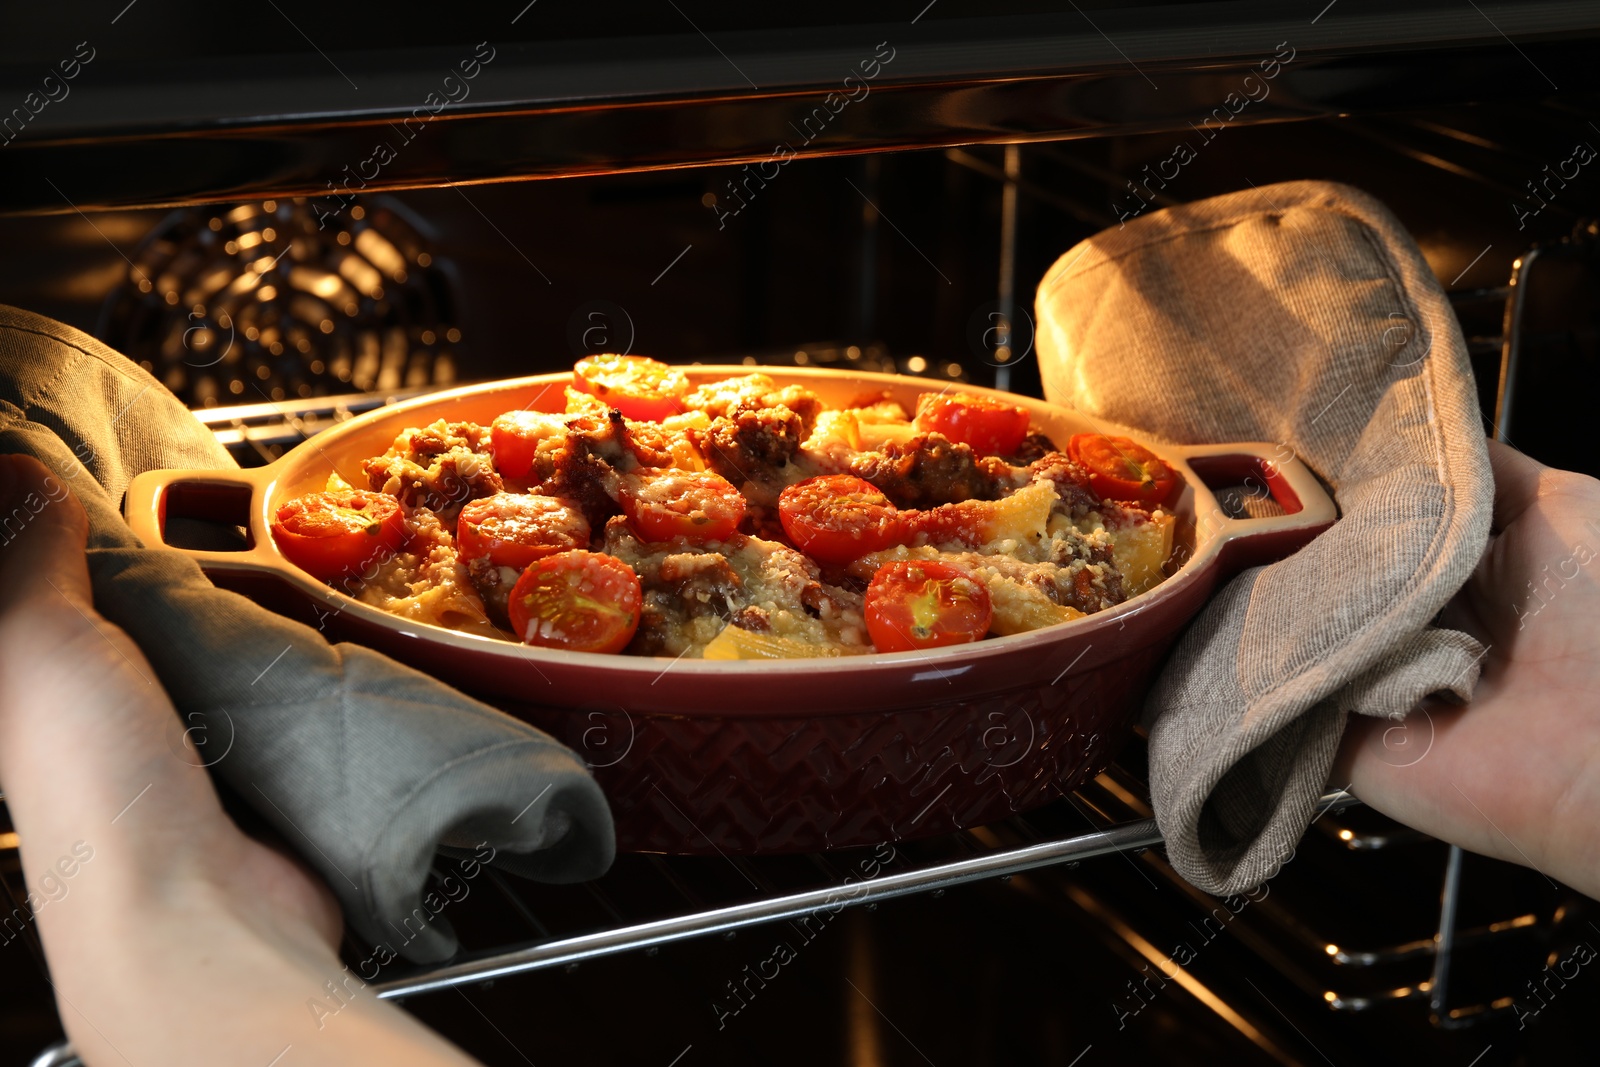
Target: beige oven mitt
1300, 314
367, 768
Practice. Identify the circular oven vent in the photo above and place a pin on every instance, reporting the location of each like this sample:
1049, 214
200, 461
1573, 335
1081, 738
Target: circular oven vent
264, 301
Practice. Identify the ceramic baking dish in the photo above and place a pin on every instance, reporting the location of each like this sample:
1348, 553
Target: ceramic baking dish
743, 757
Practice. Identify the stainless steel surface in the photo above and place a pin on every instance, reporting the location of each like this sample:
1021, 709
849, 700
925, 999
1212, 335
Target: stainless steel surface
57, 1055
1428, 946
1367, 841
1445, 940
170, 121
1511, 343
1004, 353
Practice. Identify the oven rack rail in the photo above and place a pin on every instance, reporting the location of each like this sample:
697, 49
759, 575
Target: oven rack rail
1124, 838
1128, 837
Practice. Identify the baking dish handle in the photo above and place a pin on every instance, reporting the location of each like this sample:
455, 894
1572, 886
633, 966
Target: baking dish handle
1268, 470
231, 497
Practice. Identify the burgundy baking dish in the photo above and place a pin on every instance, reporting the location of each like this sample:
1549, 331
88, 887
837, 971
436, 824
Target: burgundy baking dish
778, 756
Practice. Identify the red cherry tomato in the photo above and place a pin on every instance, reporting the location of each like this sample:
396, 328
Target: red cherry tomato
700, 506
1122, 469
837, 518
990, 426
578, 601
338, 533
640, 388
925, 604
514, 529
515, 438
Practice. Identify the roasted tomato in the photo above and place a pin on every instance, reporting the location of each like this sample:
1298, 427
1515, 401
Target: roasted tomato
514, 529
990, 426
338, 533
640, 388
515, 436
700, 506
579, 601
925, 604
837, 518
1122, 469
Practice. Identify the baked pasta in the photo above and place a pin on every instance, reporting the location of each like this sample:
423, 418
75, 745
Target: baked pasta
740, 519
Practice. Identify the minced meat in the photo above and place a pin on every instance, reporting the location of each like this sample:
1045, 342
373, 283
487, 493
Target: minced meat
931, 469
440, 467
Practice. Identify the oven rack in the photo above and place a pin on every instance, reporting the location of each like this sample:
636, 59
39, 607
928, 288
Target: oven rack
699, 897
259, 433
994, 861
939, 864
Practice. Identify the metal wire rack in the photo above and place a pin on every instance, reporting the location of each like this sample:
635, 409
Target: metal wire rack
700, 897
770, 896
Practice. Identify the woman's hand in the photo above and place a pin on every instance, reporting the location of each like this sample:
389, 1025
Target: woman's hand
1514, 774
171, 936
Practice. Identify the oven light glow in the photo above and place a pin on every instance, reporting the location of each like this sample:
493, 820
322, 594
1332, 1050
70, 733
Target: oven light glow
326, 286
1346, 835
916, 364
1332, 950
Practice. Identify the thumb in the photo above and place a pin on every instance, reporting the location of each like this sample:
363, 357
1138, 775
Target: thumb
43, 532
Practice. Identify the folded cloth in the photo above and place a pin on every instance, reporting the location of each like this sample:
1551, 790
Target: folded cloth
366, 767
1300, 314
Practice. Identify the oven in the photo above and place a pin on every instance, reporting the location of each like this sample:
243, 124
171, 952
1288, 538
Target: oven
371, 205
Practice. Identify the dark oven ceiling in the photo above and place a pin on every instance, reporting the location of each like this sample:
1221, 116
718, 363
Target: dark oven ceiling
149, 104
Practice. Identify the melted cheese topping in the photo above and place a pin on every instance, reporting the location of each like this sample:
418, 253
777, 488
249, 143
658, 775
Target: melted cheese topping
1042, 559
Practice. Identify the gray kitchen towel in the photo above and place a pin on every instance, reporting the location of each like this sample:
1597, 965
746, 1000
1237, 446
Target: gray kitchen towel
1301, 314
366, 767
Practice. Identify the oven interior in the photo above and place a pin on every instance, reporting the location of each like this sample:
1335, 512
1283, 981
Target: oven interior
1374, 944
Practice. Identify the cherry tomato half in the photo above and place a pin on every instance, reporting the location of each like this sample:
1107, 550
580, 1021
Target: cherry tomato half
663, 504
515, 438
579, 601
990, 426
917, 603
837, 518
337, 533
1122, 469
514, 529
640, 388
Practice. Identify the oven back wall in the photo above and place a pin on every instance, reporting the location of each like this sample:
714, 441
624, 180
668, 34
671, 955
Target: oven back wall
667, 265
899, 251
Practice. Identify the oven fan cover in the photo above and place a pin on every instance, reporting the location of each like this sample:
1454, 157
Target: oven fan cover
266, 301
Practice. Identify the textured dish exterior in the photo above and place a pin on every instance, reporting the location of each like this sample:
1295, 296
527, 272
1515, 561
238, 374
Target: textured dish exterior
785, 756
803, 784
